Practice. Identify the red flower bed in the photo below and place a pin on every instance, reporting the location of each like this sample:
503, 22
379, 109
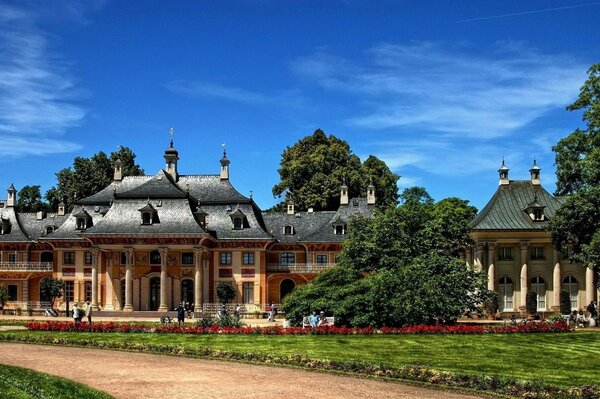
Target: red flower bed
534, 327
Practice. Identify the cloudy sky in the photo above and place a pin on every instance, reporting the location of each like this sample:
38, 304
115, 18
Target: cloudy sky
440, 90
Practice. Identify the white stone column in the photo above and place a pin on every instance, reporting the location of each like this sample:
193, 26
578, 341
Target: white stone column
109, 291
25, 293
128, 280
492, 266
590, 290
163, 279
479, 259
198, 281
95, 256
556, 281
524, 274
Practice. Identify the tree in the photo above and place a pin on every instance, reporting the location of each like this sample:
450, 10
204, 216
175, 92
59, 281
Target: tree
226, 291
313, 169
52, 288
399, 267
3, 297
90, 175
30, 200
575, 227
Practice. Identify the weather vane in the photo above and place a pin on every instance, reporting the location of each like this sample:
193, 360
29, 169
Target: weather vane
224, 149
171, 133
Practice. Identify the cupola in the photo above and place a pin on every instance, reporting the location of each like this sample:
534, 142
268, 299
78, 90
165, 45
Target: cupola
344, 194
12, 196
535, 174
503, 173
171, 158
224, 165
371, 193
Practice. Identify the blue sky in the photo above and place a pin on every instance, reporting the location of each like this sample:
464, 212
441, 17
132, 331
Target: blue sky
440, 90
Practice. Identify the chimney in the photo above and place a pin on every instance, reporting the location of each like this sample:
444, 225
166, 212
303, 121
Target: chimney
61, 209
344, 193
118, 176
12, 196
371, 193
40, 215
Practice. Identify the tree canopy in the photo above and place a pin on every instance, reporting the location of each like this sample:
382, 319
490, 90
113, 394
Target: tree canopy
86, 177
575, 226
399, 267
312, 171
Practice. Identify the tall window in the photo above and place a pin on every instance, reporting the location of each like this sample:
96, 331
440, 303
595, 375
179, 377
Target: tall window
46, 297
123, 258
572, 287
226, 258
88, 291
12, 258
321, 260
538, 253
146, 218
248, 292
187, 258
187, 291
69, 258
88, 258
287, 258
248, 258
505, 290
505, 253
538, 285
238, 223
69, 291
12, 292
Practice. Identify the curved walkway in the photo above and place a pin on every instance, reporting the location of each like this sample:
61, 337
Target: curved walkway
139, 375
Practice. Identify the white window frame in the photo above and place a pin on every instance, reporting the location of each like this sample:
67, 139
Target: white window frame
506, 291
538, 285
571, 285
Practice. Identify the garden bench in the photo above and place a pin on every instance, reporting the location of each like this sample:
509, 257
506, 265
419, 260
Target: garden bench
306, 321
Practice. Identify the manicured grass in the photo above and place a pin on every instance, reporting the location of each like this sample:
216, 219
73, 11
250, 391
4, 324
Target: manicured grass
567, 359
19, 383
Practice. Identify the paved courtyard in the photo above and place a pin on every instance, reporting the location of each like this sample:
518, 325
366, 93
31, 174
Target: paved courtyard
145, 376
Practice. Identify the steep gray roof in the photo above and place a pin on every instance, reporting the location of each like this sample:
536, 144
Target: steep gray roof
211, 189
68, 231
174, 215
315, 226
161, 185
106, 195
17, 234
35, 228
505, 210
218, 222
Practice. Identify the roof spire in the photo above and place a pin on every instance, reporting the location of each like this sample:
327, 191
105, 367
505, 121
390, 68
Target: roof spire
171, 133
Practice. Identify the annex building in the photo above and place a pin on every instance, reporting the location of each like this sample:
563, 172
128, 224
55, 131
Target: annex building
148, 243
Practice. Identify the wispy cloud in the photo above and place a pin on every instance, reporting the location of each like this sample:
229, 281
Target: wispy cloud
538, 11
453, 90
39, 100
207, 89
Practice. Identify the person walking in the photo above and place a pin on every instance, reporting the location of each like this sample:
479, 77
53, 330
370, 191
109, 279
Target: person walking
592, 309
88, 313
76, 314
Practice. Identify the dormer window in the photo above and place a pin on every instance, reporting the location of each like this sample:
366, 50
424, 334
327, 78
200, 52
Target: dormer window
149, 214
200, 216
239, 220
535, 210
288, 230
49, 229
339, 227
4, 226
538, 214
83, 220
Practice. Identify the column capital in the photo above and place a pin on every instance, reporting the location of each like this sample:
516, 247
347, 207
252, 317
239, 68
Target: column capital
480, 245
491, 245
524, 245
95, 251
128, 250
163, 251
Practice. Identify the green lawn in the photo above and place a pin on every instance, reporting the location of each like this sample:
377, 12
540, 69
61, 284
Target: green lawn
19, 383
557, 359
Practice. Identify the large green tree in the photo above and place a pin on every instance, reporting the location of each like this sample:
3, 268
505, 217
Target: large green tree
399, 267
90, 175
313, 169
30, 200
575, 226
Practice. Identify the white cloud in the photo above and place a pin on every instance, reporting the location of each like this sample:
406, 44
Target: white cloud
20, 146
207, 89
452, 90
38, 98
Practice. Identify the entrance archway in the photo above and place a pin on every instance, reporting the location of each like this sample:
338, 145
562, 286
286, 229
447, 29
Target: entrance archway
187, 291
154, 301
285, 288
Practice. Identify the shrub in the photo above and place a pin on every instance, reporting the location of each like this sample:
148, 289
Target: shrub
226, 291
565, 302
492, 305
531, 302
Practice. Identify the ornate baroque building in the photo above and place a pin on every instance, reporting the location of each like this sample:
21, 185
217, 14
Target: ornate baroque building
151, 242
516, 251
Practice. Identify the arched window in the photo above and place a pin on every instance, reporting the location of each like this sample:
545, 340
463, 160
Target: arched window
47, 257
285, 288
155, 258
49, 230
287, 258
146, 218
538, 285
288, 230
505, 291
571, 285
238, 223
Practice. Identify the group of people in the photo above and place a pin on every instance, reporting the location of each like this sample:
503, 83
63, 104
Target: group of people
317, 320
78, 312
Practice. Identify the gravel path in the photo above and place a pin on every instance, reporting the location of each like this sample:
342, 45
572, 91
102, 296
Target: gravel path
138, 375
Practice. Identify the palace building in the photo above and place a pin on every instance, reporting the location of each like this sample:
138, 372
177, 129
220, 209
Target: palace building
152, 242
515, 249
